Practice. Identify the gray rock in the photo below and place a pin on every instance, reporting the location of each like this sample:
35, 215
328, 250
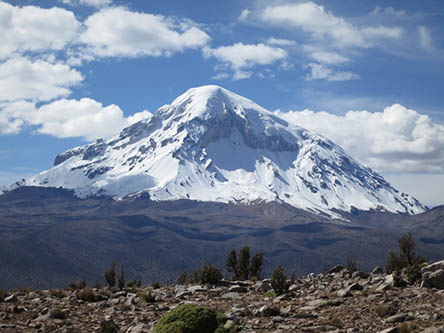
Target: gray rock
434, 330
197, 289
390, 330
377, 270
237, 289
433, 279
433, 267
268, 311
344, 293
335, 269
140, 328
397, 318
387, 284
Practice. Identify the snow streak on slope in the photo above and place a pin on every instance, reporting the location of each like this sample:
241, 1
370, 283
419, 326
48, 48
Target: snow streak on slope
213, 145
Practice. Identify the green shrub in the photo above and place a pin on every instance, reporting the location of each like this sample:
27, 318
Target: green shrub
110, 275
279, 281
87, 295
149, 297
189, 318
58, 314
210, 274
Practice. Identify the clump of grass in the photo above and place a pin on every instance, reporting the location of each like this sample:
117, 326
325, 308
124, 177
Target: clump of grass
87, 295
149, 297
386, 310
58, 314
58, 293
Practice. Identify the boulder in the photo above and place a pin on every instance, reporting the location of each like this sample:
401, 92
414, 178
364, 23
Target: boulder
433, 267
433, 279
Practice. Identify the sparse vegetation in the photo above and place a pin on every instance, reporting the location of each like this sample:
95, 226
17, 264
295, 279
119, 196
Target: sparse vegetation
406, 260
121, 282
58, 314
58, 293
279, 281
242, 268
108, 326
87, 295
149, 297
386, 310
183, 278
110, 275
210, 274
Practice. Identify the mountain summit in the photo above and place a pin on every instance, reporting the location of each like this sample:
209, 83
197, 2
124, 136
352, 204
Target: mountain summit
210, 144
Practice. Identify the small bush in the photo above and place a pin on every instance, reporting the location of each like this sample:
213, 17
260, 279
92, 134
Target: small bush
110, 275
3, 295
156, 285
191, 318
210, 274
57, 293
58, 314
279, 281
87, 295
149, 297
77, 285
395, 262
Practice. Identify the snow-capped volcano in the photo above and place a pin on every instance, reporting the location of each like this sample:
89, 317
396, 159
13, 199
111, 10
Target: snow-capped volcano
210, 144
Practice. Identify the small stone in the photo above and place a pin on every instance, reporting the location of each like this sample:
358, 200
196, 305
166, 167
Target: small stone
377, 270
390, 330
335, 269
398, 318
237, 289
11, 299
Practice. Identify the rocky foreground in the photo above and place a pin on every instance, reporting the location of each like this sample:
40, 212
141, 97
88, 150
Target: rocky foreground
336, 301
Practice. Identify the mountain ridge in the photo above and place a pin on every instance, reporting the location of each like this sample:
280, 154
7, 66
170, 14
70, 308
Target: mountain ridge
211, 144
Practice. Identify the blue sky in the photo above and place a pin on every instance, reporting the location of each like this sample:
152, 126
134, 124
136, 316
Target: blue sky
367, 74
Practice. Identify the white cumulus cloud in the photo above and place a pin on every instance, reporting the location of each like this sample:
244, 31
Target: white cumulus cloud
396, 139
31, 28
241, 58
118, 32
21, 78
65, 118
321, 24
